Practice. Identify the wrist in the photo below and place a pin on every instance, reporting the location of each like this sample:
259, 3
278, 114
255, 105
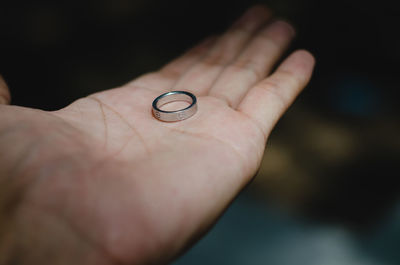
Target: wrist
10, 198
33, 233
36, 161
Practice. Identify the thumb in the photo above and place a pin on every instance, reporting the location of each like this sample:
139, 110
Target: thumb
5, 96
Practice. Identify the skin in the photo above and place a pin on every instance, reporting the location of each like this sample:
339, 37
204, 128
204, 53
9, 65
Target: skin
102, 181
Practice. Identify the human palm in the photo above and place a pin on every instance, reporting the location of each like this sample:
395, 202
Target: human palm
119, 186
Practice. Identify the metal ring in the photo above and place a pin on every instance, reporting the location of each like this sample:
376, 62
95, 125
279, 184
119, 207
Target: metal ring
176, 115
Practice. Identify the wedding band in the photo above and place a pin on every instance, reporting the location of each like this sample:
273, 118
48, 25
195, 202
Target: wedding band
176, 115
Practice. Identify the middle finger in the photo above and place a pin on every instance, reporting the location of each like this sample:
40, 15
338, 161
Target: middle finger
202, 75
253, 64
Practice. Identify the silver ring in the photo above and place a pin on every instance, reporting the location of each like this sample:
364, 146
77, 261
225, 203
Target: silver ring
176, 115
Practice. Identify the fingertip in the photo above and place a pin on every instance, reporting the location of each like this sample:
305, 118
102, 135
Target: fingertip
257, 12
301, 63
282, 27
305, 56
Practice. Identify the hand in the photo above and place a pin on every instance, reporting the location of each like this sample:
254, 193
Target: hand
104, 182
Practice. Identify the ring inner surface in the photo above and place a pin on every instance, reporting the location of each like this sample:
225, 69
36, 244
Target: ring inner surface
174, 98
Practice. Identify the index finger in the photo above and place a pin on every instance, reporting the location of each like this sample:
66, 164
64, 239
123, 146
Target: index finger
268, 100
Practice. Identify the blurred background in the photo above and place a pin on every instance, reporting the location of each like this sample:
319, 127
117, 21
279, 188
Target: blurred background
326, 192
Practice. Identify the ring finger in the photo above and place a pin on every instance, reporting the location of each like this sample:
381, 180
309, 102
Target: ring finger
202, 75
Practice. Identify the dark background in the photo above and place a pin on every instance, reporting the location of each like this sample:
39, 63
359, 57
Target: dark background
333, 159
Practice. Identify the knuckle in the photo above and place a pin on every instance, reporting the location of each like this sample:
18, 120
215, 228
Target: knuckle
216, 60
224, 98
274, 89
223, 53
290, 78
271, 85
249, 67
265, 37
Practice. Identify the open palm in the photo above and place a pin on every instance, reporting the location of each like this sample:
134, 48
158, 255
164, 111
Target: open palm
132, 189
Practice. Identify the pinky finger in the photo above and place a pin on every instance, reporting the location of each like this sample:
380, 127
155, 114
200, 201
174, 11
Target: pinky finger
266, 102
5, 96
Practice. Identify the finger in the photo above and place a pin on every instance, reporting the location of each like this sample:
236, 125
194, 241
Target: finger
5, 96
254, 63
200, 77
166, 77
267, 101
